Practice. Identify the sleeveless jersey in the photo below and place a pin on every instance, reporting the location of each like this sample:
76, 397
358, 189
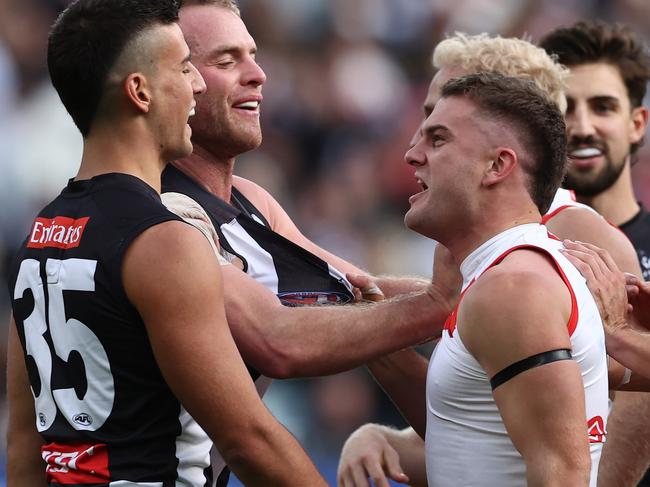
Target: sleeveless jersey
294, 274
562, 200
466, 440
107, 416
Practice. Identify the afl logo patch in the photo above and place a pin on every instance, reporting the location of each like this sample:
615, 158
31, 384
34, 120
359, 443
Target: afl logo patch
84, 419
42, 419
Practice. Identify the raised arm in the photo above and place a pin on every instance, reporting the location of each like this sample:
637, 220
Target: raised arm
25, 467
505, 319
170, 276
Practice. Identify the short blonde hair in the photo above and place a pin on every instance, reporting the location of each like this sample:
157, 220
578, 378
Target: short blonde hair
508, 56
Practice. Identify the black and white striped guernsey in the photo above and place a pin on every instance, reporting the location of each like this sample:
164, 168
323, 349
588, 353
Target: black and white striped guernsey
294, 274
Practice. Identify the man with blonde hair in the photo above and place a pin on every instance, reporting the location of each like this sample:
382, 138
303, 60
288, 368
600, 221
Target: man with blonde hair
377, 451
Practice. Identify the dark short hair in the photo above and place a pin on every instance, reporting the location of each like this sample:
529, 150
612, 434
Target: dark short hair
595, 41
537, 120
616, 44
86, 41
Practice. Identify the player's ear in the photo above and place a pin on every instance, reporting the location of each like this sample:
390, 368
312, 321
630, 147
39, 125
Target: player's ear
498, 168
638, 124
137, 91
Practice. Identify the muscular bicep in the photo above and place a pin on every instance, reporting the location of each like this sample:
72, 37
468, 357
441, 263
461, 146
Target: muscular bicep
543, 409
506, 320
583, 225
171, 276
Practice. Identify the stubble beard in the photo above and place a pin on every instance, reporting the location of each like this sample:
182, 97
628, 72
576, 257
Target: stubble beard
225, 137
608, 175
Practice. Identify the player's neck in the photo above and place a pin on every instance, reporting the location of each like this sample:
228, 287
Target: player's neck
618, 203
462, 247
121, 152
213, 174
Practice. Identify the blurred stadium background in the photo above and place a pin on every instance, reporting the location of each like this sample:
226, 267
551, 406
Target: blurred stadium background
346, 80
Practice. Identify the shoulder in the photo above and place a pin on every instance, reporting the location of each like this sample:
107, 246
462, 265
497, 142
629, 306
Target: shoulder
269, 207
585, 225
253, 191
516, 309
517, 282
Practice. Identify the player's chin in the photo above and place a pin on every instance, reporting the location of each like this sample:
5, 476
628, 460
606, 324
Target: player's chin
411, 219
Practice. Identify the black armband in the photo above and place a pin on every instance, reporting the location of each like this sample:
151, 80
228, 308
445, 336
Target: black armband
529, 363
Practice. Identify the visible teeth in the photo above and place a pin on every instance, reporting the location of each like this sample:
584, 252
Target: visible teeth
248, 104
586, 152
192, 112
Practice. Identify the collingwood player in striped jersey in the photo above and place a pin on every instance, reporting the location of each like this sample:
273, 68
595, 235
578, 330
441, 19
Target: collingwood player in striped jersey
281, 268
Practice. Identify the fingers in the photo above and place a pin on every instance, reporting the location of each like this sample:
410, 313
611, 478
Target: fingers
601, 256
393, 467
588, 256
578, 262
359, 280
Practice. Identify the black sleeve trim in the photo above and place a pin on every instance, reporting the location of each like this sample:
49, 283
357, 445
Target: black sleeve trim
529, 363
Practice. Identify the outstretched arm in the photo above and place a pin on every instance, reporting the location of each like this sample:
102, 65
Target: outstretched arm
308, 341
171, 277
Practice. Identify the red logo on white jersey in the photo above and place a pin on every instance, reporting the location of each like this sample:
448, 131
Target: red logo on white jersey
76, 463
596, 430
59, 232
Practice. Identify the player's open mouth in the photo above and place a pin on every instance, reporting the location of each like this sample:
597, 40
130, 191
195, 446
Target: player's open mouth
248, 105
417, 195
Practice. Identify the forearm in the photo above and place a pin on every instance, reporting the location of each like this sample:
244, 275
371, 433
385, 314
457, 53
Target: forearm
631, 348
272, 457
403, 376
626, 453
311, 341
394, 286
25, 467
557, 469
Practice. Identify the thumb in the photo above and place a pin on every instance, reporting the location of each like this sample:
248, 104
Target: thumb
358, 280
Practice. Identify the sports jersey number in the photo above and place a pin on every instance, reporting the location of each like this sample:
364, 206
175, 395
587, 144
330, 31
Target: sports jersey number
91, 411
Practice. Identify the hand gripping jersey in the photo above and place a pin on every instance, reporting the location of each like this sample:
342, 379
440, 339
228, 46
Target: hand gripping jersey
107, 416
297, 276
466, 440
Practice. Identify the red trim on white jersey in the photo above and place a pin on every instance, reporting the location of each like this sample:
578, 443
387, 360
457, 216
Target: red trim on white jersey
450, 324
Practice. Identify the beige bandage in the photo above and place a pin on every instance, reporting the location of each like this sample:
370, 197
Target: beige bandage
190, 211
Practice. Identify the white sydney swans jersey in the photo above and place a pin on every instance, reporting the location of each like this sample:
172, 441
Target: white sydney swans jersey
466, 440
